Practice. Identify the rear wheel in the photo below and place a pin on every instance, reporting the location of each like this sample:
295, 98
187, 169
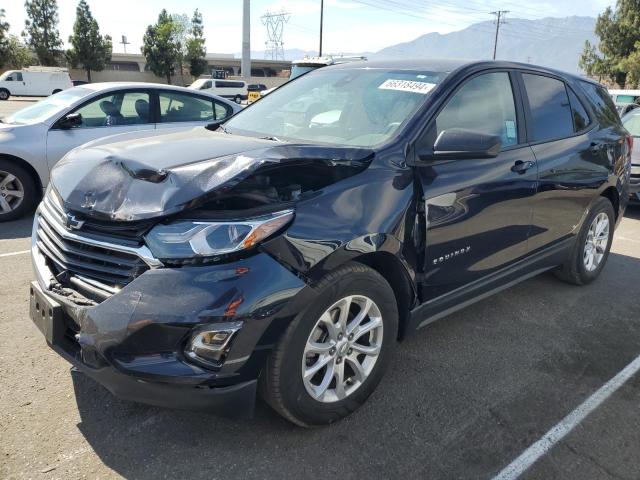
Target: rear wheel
238, 99
57, 90
18, 191
333, 355
591, 250
4, 94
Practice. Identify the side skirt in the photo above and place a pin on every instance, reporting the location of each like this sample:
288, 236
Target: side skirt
462, 297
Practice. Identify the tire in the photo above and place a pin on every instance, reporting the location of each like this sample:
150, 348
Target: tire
4, 94
238, 99
575, 269
57, 90
25, 182
281, 382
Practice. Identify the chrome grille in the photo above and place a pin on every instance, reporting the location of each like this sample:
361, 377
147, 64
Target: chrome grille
92, 266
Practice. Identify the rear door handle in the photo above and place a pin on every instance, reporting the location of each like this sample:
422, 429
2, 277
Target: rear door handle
521, 167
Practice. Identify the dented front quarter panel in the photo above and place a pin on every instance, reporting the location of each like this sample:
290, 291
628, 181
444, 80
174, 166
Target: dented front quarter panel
363, 214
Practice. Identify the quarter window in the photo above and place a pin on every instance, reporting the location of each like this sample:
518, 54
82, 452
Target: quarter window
603, 106
580, 116
550, 108
121, 108
484, 104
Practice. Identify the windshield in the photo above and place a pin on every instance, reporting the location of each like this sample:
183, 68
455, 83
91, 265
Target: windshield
626, 98
298, 70
358, 107
198, 83
6, 74
42, 110
631, 122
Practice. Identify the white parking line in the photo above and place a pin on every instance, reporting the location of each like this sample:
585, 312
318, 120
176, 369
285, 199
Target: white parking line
11, 254
627, 239
568, 423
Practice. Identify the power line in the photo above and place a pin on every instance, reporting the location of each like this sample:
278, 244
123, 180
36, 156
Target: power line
500, 14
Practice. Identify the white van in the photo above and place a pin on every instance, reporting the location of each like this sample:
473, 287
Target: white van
34, 82
233, 89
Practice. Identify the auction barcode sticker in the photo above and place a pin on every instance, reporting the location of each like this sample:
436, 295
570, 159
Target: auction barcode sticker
407, 86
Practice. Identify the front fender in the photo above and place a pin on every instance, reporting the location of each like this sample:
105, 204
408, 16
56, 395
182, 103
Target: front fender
364, 214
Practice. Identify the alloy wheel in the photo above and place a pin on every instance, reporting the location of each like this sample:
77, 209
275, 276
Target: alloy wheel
11, 192
342, 349
597, 242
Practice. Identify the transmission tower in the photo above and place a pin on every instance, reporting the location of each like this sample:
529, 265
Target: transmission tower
274, 47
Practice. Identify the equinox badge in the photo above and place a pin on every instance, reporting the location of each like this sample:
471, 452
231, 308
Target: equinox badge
448, 256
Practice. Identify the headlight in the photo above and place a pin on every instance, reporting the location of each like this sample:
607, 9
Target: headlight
188, 241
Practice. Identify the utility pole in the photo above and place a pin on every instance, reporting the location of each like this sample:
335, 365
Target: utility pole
321, 20
245, 63
500, 14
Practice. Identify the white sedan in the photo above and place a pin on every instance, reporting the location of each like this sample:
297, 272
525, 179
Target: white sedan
35, 138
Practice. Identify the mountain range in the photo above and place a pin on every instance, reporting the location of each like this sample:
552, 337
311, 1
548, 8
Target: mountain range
550, 42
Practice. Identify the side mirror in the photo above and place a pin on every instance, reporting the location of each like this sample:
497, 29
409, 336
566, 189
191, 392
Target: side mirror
213, 126
70, 121
462, 144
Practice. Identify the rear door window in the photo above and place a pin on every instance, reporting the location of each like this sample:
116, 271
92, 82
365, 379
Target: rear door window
550, 108
181, 107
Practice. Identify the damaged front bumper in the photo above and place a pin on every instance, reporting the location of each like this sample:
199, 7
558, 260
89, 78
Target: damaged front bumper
133, 343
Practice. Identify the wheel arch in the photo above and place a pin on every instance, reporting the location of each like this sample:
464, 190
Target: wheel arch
26, 165
613, 195
394, 272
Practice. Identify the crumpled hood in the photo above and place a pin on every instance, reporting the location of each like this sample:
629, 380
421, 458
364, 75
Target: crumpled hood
151, 174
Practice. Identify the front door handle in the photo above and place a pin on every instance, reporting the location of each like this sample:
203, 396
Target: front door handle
521, 167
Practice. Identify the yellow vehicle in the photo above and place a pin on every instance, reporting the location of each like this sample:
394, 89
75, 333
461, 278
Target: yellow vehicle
254, 92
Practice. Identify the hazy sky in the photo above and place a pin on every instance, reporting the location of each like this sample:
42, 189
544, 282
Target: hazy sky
350, 25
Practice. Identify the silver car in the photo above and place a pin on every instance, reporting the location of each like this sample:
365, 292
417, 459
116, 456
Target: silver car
35, 138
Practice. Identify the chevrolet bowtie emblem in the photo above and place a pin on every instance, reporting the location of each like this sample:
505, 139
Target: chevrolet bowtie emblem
72, 223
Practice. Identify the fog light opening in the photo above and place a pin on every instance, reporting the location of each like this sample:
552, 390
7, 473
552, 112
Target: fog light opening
211, 343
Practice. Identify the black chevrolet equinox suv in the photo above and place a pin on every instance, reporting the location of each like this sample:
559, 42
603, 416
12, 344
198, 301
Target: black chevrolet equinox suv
286, 251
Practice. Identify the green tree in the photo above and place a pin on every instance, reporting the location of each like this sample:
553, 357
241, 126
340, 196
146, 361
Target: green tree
41, 30
17, 54
4, 38
89, 48
619, 34
181, 29
160, 47
196, 50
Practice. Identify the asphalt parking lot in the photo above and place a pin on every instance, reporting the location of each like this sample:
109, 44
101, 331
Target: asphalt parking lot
462, 399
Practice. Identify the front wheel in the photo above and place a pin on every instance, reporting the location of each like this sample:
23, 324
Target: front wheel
4, 94
238, 99
18, 191
333, 355
593, 243
57, 90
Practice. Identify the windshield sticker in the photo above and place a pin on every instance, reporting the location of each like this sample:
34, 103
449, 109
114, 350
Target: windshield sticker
407, 86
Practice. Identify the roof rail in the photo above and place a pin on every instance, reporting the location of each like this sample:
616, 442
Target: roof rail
38, 68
